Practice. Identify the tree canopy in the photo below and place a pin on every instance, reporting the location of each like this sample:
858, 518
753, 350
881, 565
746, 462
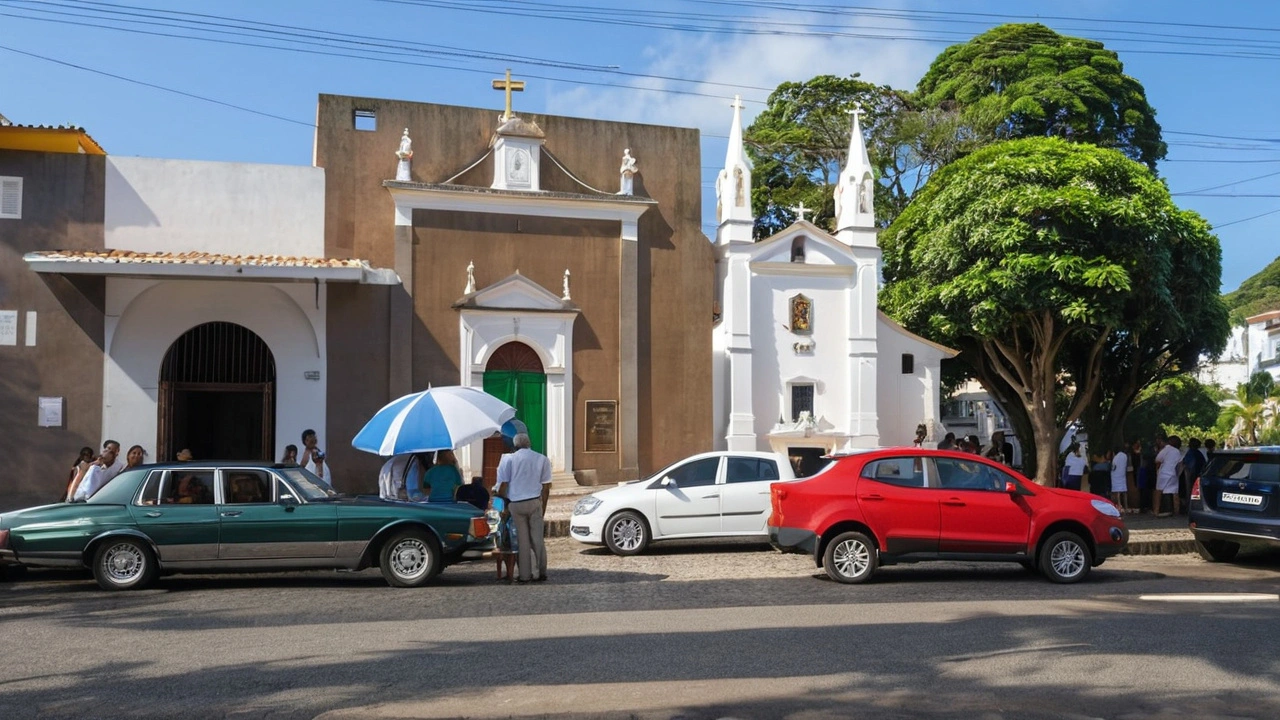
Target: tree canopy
1180, 400
1029, 251
1025, 80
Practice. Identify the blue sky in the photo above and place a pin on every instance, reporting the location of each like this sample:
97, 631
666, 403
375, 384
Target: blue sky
1208, 74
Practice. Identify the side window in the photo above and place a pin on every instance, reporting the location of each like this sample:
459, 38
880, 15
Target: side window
240, 487
151, 489
905, 471
188, 487
966, 475
740, 469
697, 473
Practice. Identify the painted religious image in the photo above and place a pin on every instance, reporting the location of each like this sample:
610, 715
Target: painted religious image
801, 315
602, 426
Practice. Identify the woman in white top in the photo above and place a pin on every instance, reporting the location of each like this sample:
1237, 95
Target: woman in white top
1120, 480
1075, 465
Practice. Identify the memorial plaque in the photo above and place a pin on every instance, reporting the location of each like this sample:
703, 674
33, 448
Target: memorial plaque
602, 426
8, 327
50, 414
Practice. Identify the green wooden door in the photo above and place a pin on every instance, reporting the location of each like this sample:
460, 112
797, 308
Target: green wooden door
527, 393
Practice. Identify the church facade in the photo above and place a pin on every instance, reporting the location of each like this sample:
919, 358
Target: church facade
804, 362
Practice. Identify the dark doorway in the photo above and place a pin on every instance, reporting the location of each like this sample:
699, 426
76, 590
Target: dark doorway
514, 374
217, 390
807, 461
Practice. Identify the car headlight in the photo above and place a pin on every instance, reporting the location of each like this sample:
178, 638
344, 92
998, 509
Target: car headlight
1105, 508
586, 505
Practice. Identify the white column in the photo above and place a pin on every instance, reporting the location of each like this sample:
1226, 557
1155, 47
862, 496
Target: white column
742, 421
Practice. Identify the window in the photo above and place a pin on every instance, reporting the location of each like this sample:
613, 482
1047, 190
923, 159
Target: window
365, 120
698, 473
908, 364
797, 250
801, 400
150, 494
11, 198
968, 475
740, 469
242, 487
187, 487
905, 471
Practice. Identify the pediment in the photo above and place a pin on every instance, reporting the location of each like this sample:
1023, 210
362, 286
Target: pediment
820, 247
515, 292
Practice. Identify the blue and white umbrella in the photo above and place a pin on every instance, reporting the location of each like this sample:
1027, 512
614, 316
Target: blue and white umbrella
440, 418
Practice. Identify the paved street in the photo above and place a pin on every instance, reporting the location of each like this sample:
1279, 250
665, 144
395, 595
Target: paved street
691, 631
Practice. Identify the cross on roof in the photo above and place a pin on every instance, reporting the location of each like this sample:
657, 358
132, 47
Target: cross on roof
800, 210
509, 86
856, 111
737, 102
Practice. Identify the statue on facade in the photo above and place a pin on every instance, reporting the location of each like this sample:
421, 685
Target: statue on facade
471, 278
566, 286
864, 196
628, 172
405, 153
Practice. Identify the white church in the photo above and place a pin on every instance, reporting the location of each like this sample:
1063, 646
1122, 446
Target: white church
804, 362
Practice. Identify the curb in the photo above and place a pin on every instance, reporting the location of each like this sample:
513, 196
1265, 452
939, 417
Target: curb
1159, 547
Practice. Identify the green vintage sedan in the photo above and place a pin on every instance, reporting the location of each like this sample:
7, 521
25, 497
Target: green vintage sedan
241, 517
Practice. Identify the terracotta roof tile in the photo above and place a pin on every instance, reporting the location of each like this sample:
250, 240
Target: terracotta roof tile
196, 258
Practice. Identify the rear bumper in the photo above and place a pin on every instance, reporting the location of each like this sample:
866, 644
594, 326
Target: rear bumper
1208, 525
793, 540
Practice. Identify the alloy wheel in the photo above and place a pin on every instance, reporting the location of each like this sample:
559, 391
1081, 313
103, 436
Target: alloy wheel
124, 562
1067, 558
851, 558
409, 558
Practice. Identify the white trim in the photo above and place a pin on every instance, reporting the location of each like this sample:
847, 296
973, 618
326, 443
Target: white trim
11, 184
421, 196
807, 269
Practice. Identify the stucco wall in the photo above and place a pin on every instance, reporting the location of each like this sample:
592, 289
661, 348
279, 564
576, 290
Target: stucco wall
905, 400
159, 205
145, 317
61, 210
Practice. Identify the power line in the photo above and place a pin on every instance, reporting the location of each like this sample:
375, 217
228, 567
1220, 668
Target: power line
1243, 220
1236, 182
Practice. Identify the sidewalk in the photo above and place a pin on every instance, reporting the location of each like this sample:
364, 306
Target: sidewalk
1148, 535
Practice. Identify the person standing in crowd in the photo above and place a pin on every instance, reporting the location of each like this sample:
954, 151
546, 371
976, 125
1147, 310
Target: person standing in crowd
444, 477
1001, 450
508, 547
1120, 479
948, 442
474, 493
1134, 457
974, 444
98, 473
86, 456
524, 479
290, 455
1193, 463
320, 468
1073, 467
134, 457
309, 446
184, 455
1168, 466
391, 477
1099, 474
1210, 447
921, 433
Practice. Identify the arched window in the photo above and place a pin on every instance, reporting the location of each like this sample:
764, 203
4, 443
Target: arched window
797, 250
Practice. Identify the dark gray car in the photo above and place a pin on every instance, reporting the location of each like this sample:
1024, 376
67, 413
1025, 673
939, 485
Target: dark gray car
1236, 503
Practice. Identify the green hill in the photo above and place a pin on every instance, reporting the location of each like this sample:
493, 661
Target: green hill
1258, 294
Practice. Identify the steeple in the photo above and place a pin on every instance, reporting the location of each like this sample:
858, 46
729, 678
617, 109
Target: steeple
855, 192
733, 188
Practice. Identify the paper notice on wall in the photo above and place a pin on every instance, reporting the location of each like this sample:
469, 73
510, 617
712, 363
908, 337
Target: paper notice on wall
50, 412
8, 327
31, 328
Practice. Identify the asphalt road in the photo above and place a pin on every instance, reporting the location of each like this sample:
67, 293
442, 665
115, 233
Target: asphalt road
689, 631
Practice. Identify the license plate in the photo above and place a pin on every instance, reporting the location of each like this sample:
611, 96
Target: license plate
1241, 499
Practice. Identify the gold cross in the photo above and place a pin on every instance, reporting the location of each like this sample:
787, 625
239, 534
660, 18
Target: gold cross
508, 85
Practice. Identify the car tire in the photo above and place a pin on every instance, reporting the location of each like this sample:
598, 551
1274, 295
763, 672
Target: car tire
626, 534
124, 563
410, 558
1065, 558
850, 558
1217, 550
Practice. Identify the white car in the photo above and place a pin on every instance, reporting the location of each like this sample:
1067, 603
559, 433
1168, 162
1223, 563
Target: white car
715, 494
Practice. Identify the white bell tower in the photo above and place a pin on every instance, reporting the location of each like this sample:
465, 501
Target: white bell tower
855, 192
733, 188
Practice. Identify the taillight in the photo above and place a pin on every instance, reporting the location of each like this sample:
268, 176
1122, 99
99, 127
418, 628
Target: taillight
1195, 490
479, 527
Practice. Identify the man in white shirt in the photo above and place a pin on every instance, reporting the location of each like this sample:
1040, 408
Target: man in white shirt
98, 473
1120, 479
524, 478
1168, 467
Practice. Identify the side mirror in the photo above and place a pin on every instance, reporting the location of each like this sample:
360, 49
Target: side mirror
1011, 487
668, 482
288, 501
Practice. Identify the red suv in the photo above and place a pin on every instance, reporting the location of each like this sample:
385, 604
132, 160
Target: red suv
908, 504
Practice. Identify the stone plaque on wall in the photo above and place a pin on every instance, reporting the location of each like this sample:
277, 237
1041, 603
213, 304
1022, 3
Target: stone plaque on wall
602, 426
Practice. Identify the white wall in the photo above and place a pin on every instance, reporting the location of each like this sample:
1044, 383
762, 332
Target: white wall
158, 205
905, 401
145, 317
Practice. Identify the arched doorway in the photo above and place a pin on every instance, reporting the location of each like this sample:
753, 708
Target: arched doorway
217, 395
514, 374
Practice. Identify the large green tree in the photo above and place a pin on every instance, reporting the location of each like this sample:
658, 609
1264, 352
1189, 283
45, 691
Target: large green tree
1027, 252
1025, 80
1180, 400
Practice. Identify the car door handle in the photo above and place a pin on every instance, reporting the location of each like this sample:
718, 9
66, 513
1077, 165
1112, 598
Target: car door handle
873, 497
710, 497
233, 513
953, 502
154, 514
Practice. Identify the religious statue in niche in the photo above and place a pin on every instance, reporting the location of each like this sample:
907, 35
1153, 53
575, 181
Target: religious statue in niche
740, 193
405, 153
518, 167
864, 196
801, 315
628, 172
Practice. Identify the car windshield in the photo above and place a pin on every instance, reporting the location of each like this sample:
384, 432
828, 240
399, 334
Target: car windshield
1245, 466
309, 486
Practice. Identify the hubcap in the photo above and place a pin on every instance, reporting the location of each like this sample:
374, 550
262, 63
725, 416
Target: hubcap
123, 562
851, 558
627, 534
1067, 558
409, 558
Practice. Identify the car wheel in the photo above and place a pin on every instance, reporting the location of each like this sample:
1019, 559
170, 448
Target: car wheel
410, 559
626, 534
1217, 550
1065, 558
123, 564
850, 558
